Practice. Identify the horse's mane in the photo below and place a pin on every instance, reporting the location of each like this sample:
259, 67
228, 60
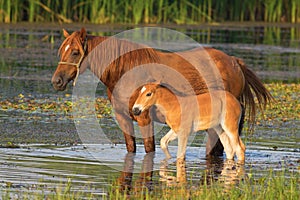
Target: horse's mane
117, 57
110, 58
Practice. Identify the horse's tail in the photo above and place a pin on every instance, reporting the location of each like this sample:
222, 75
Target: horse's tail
253, 88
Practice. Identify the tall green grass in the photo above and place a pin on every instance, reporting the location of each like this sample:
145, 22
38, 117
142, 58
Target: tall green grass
149, 11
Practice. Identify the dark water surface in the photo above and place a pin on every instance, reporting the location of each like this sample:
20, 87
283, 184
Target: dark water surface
50, 152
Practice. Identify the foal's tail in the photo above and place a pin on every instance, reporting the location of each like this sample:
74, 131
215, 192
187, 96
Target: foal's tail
253, 88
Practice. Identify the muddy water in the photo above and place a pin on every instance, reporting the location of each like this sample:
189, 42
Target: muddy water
50, 153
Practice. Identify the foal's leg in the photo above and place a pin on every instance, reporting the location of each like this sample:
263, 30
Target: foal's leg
226, 143
171, 135
236, 142
231, 125
180, 162
241, 151
182, 143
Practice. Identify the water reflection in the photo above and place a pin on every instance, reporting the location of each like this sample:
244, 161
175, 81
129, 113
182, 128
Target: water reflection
226, 172
145, 177
232, 173
30, 166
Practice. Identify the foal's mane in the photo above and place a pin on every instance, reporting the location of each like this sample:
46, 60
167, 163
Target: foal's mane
173, 90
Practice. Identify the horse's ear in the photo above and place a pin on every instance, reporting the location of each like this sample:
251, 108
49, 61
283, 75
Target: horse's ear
66, 34
83, 33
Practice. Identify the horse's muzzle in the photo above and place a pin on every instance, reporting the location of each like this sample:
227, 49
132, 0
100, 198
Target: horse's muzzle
58, 83
136, 111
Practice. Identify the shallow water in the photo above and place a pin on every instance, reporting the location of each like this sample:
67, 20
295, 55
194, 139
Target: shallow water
34, 168
50, 152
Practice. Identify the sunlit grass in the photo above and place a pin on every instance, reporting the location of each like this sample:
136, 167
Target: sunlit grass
39, 192
276, 185
280, 185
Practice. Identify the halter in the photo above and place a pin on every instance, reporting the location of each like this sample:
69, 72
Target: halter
77, 65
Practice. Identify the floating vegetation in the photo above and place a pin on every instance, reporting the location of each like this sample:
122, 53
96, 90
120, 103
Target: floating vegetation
10, 145
60, 106
285, 108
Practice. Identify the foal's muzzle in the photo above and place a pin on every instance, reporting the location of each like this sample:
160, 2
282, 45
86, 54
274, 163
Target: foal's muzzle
136, 111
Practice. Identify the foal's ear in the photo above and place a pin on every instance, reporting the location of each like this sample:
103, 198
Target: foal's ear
82, 33
66, 34
158, 83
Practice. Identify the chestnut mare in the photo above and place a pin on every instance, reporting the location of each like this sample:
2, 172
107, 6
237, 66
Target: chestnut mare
237, 78
223, 114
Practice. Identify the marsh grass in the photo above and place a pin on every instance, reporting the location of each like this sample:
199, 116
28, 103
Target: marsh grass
275, 185
280, 185
149, 11
39, 192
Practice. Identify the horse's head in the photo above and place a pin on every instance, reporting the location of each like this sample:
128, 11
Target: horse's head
145, 99
72, 51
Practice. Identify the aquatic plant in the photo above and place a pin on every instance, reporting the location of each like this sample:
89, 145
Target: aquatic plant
59, 106
150, 11
285, 108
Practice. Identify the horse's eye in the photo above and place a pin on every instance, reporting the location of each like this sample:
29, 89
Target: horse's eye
75, 53
149, 94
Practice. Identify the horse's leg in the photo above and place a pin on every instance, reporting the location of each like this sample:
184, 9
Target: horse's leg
126, 125
171, 135
147, 130
214, 146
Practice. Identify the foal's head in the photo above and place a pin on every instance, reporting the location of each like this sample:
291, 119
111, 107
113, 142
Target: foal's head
72, 51
145, 99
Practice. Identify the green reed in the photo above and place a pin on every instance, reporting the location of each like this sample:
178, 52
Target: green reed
149, 11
